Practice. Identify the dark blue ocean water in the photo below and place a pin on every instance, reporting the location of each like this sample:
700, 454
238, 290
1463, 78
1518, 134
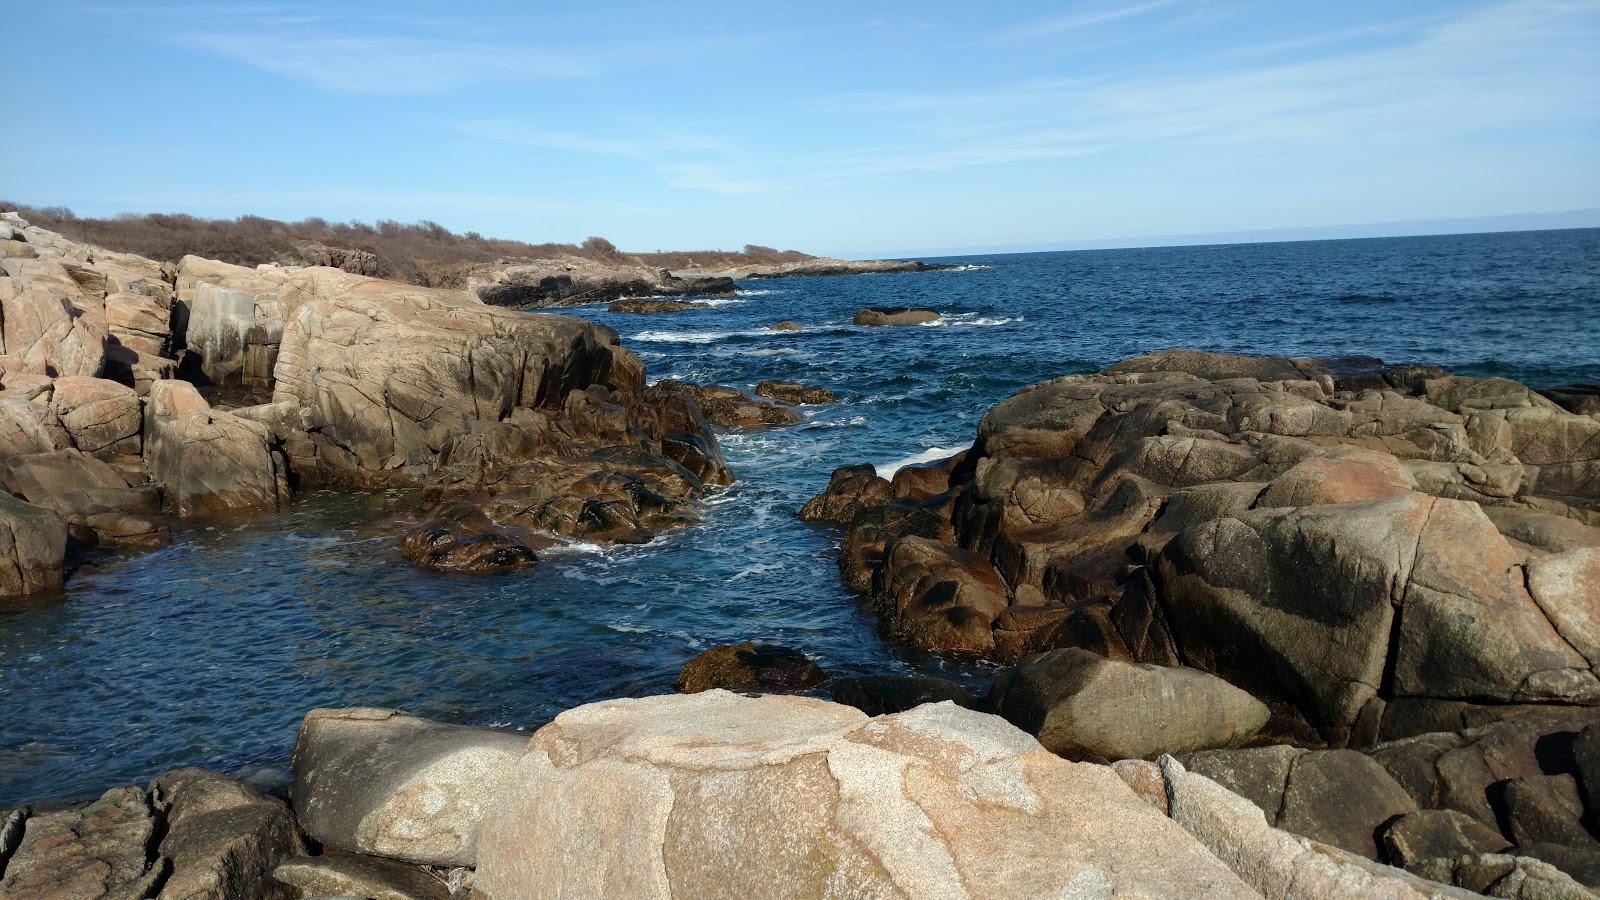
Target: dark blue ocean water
209, 651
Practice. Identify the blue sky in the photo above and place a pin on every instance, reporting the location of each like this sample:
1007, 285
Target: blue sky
830, 127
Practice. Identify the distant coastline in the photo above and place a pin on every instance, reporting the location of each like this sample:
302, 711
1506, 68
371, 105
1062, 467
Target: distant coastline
1554, 221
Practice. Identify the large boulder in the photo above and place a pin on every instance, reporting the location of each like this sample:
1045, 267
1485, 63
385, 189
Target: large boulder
1341, 798
714, 794
1080, 704
101, 417
33, 546
850, 489
391, 375
733, 408
210, 463
47, 325
94, 499
384, 783
794, 392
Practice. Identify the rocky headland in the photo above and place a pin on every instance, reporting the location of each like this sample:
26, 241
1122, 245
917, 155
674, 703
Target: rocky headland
1259, 627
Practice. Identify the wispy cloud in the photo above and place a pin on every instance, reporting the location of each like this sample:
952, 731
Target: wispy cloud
713, 179
1089, 17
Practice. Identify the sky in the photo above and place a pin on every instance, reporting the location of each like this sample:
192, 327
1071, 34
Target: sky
842, 128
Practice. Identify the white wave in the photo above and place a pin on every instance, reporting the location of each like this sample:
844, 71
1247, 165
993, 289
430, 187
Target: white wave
932, 454
719, 301
968, 267
693, 337
768, 351
758, 292
970, 320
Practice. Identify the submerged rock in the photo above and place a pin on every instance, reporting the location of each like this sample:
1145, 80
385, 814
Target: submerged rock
643, 305
749, 667
794, 392
896, 315
731, 407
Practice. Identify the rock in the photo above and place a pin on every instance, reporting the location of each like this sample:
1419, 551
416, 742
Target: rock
1258, 774
384, 783
33, 546
1581, 399
1581, 864
192, 834
1342, 798
676, 796
1216, 366
98, 850
28, 427
731, 407
1080, 705
392, 376
794, 392
1500, 875
939, 597
1566, 587
141, 321
136, 369
642, 305
787, 325
101, 417
490, 552
850, 489
1429, 833
211, 463
1276, 863
350, 875
882, 695
749, 667
895, 315
1545, 809
94, 500
349, 259
222, 839
47, 327
1586, 762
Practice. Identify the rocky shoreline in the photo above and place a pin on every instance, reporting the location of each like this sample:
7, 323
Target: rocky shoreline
1269, 627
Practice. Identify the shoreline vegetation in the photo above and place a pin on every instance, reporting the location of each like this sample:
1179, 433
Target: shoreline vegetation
426, 254
1263, 626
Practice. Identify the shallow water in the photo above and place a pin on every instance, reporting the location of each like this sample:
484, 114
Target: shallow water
209, 651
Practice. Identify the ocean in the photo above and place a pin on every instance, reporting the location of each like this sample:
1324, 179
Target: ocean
208, 652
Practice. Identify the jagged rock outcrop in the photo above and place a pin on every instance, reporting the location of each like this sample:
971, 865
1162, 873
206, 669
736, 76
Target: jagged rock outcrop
730, 407
190, 834
749, 667
1368, 549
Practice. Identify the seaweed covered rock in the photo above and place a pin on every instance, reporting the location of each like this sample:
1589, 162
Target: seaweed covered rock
749, 667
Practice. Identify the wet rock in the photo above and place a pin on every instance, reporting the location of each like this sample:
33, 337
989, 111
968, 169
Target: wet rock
1082, 705
850, 489
645, 305
1342, 798
676, 796
352, 875
731, 407
490, 552
895, 315
794, 392
749, 667
33, 546
1430, 833
787, 325
380, 782
882, 695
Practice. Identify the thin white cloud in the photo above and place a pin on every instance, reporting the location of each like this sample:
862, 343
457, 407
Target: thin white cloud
1086, 18
713, 179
